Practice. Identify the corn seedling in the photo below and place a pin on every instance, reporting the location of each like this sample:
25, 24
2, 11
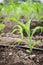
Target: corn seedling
26, 27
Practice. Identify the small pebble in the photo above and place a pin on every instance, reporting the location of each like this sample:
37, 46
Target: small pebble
10, 53
38, 60
32, 56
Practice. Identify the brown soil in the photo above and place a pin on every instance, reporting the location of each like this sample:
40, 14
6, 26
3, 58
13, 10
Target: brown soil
15, 56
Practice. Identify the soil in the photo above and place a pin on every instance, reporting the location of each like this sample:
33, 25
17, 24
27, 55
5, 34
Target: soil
17, 56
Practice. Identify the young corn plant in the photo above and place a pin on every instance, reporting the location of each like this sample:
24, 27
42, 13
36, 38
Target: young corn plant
21, 26
26, 27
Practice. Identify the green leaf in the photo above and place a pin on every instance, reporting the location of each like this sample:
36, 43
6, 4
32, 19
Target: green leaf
1, 26
35, 29
19, 29
22, 25
13, 19
28, 28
